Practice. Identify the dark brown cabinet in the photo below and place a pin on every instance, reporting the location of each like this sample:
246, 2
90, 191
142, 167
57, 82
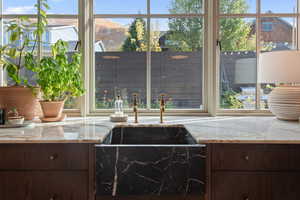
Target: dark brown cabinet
239, 186
58, 185
285, 186
13, 186
255, 172
45, 172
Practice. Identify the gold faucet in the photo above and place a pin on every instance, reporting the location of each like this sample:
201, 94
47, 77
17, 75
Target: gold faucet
135, 108
162, 107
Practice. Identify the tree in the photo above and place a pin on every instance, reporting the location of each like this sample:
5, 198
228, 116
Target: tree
185, 34
235, 33
137, 37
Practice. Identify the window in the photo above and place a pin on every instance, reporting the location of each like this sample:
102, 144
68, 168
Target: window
22, 7
155, 47
59, 27
267, 26
149, 48
242, 43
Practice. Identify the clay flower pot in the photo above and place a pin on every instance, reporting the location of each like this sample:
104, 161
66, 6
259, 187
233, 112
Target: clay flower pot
21, 98
52, 109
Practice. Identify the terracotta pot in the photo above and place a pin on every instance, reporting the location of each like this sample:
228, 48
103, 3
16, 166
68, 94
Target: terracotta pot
21, 98
52, 109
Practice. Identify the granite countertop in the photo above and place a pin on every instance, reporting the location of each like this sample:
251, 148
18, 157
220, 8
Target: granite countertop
203, 129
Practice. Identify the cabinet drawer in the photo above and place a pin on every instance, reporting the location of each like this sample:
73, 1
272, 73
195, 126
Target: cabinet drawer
58, 186
44, 156
239, 186
13, 186
57, 156
12, 156
43, 185
252, 157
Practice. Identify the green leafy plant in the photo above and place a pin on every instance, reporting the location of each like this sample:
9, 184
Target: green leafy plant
229, 100
20, 51
58, 76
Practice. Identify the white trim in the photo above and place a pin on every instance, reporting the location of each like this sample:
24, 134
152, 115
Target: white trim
211, 88
258, 15
150, 16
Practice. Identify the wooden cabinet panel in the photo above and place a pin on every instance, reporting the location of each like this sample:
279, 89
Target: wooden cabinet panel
239, 186
285, 186
295, 157
44, 156
255, 172
57, 157
43, 185
58, 185
245, 157
12, 156
13, 186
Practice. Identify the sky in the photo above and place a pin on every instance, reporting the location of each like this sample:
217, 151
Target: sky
129, 6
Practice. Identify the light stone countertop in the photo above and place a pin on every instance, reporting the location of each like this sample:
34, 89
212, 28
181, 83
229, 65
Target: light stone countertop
204, 130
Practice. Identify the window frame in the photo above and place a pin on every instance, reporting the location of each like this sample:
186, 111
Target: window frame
211, 57
148, 16
39, 47
257, 16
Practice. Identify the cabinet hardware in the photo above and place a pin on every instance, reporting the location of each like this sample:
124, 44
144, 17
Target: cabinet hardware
53, 157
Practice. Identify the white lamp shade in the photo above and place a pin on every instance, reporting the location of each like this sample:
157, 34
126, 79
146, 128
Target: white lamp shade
245, 71
279, 67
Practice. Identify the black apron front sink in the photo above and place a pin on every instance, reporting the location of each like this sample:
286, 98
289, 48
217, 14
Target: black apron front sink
150, 162
155, 134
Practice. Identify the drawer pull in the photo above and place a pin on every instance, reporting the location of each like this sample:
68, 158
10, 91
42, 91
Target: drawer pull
246, 158
53, 157
52, 198
245, 197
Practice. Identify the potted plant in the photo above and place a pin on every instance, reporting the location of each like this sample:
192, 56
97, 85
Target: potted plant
59, 78
19, 55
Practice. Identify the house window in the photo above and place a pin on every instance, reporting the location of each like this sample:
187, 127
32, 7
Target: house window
154, 47
242, 44
267, 26
149, 48
62, 24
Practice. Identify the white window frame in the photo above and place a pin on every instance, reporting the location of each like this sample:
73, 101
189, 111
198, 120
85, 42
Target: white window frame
258, 15
148, 110
211, 90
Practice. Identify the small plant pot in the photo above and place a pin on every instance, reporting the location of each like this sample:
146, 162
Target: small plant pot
52, 109
21, 98
15, 120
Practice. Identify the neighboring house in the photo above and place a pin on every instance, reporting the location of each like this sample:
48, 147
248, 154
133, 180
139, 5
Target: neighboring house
279, 32
99, 46
53, 33
63, 32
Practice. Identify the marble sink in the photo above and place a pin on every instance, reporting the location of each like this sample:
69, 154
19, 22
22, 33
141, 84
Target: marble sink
150, 135
150, 162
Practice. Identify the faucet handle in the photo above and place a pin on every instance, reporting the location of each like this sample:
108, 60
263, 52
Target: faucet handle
135, 99
162, 100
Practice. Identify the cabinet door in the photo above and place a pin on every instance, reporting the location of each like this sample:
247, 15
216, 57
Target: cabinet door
239, 186
58, 185
252, 157
285, 186
13, 186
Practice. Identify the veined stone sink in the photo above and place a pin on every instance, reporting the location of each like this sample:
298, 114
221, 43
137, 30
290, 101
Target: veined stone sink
150, 135
150, 162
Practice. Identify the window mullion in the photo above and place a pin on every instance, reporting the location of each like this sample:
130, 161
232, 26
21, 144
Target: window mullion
148, 71
258, 49
39, 38
1, 42
298, 24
